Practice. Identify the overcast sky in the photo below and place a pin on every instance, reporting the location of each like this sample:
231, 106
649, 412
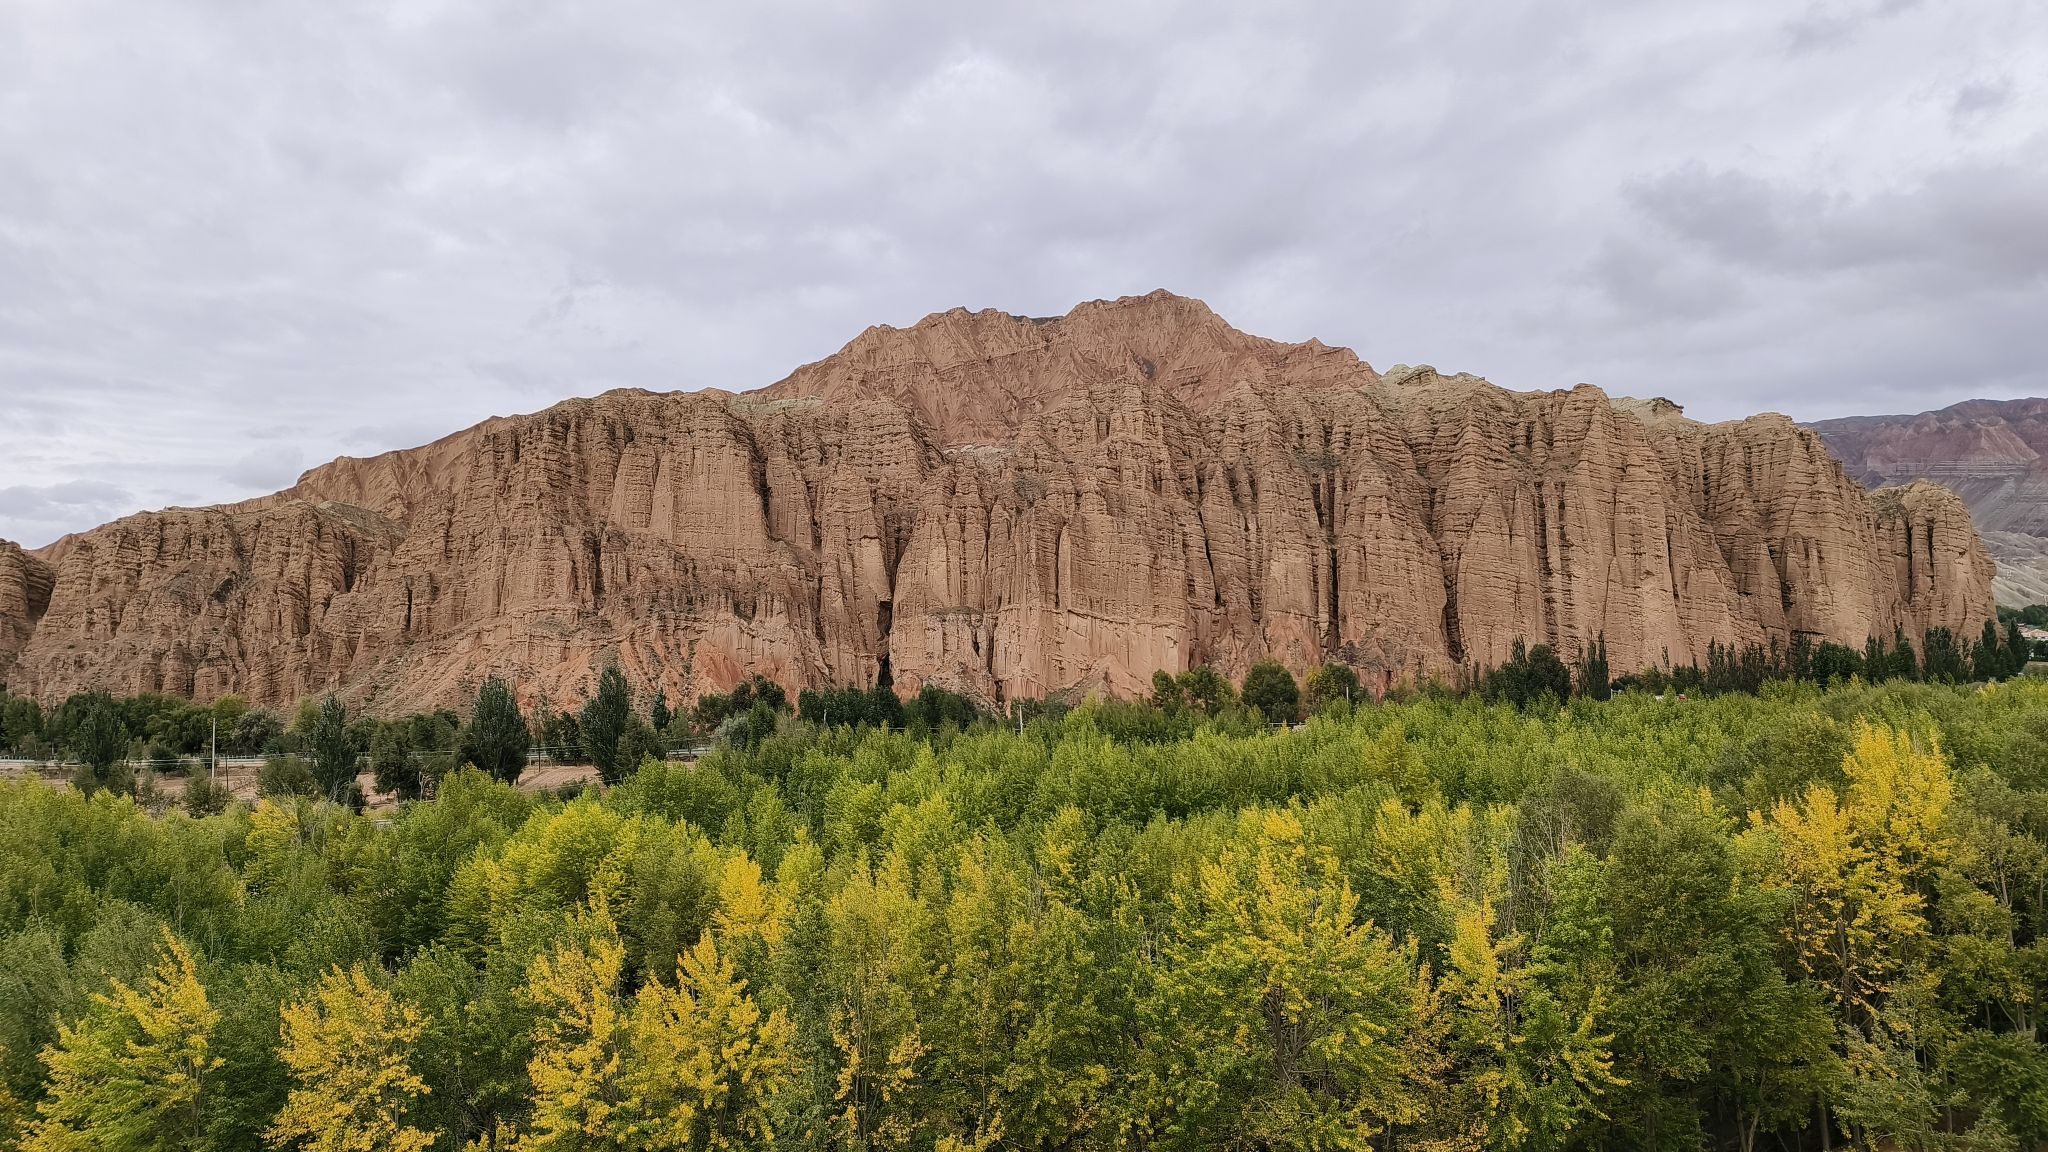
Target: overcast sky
240, 238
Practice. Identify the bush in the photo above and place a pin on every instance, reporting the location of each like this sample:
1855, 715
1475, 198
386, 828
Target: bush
203, 797
286, 775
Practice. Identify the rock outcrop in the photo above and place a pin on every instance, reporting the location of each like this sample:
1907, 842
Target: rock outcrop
24, 595
1010, 507
1992, 453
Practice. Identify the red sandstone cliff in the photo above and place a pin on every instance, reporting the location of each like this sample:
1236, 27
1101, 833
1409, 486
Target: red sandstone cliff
1008, 506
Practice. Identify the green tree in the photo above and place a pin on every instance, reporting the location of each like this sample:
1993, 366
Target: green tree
21, 723
1595, 681
603, 724
1205, 688
1531, 676
1270, 689
2017, 649
641, 743
1328, 684
1279, 1015
100, 738
496, 738
333, 748
1944, 661
1166, 693
706, 1065
395, 761
580, 1097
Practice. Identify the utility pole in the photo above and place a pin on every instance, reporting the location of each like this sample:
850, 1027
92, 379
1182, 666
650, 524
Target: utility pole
213, 751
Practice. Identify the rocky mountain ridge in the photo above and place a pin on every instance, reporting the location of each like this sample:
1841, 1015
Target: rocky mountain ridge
1010, 507
1992, 453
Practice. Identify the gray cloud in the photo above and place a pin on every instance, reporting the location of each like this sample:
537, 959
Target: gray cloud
237, 239
53, 509
1980, 98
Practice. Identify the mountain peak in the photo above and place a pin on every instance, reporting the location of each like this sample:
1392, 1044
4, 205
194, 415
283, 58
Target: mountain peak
976, 376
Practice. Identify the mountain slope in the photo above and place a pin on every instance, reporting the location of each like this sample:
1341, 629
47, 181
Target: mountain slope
1992, 453
1011, 506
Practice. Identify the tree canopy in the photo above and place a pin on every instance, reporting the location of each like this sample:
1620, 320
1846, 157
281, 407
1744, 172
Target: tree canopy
1802, 919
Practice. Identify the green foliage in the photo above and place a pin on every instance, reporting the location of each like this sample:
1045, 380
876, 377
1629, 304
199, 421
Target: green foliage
556, 734
2032, 615
934, 707
1791, 919
603, 724
128, 1074
1531, 676
100, 737
1595, 682
640, 743
286, 775
21, 725
713, 709
204, 796
1269, 690
876, 707
332, 749
1329, 684
496, 739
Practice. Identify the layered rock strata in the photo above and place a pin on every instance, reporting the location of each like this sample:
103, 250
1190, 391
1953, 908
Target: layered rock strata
1992, 453
1010, 507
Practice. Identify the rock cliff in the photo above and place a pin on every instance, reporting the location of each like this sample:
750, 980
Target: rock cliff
24, 595
1992, 453
1008, 506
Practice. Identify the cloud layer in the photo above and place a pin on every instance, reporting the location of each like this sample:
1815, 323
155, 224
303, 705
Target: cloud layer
237, 239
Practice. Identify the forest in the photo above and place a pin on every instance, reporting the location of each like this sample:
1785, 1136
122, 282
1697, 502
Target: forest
1793, 918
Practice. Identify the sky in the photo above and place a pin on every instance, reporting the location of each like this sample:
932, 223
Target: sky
240, 238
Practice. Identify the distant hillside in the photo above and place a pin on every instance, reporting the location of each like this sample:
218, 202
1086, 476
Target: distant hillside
1993, 453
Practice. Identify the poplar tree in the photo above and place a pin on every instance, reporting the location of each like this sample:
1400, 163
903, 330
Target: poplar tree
100, 739
603, 723
334, 750
127, 1076
346, 1046
705, 1064
496, 738
578, 1067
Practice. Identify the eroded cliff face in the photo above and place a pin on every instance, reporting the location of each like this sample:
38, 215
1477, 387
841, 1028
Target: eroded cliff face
1010, 507
24, 595
1992, 453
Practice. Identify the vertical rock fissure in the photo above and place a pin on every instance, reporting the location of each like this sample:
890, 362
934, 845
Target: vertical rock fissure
1333, 634
1546, 584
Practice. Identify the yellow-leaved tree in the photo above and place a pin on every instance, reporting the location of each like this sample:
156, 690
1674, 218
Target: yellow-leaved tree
1278, 1013
347, 1046
1530, 1061
126, 1077
1857, 870
578, 1065
704, 1065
